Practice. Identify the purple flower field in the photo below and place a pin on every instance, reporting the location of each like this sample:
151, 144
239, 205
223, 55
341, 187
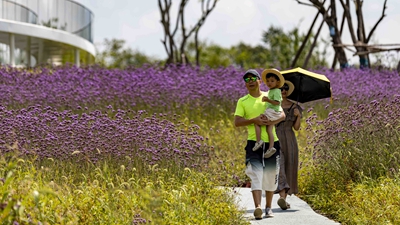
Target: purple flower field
54, 112
94, 87
135, 88
46, 133
359, 138
361, 86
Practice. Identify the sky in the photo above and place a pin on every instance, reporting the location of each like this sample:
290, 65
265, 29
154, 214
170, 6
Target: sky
232, 21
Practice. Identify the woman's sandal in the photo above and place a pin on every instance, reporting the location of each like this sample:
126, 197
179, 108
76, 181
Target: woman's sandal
283, 204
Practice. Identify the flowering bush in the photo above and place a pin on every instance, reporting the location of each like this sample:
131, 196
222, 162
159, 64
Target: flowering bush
353, 86
146, 88
357, 141
46, 133
100, 110
165, 90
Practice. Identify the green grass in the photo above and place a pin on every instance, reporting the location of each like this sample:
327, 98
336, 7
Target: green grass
61, 193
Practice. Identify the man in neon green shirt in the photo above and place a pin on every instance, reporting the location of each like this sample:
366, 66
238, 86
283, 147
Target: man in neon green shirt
263, 172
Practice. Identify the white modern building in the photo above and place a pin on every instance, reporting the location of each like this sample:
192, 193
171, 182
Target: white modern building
35, 32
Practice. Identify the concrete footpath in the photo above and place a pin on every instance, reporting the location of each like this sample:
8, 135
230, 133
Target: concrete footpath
300, 213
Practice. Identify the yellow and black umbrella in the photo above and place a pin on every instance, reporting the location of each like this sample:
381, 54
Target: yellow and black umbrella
308, 86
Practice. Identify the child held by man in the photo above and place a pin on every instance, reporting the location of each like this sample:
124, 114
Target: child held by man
274, 80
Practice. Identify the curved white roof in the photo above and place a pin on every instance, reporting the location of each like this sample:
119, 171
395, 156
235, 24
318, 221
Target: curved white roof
45, 33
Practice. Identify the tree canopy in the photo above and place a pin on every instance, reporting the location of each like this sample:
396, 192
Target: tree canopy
116, 55
276, 49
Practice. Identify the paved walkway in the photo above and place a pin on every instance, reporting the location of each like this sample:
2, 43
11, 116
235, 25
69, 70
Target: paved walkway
300, 212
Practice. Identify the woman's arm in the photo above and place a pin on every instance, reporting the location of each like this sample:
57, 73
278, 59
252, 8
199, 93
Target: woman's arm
296, 124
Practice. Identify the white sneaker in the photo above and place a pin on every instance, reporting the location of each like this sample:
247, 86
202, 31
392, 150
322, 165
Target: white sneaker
268, 213
269, 153
258, 145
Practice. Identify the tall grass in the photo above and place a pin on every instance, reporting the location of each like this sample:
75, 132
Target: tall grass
60, 192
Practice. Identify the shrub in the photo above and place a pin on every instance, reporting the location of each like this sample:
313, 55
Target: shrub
348, 137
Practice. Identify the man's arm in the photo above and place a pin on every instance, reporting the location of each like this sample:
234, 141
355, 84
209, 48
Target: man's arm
240, 121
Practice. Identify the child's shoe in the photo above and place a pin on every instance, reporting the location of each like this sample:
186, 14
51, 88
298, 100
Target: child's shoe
269, 153
258, 145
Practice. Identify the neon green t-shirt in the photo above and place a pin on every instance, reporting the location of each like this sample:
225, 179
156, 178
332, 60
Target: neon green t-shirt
249, 107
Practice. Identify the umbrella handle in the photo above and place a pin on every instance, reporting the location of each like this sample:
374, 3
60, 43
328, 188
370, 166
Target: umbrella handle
300, 82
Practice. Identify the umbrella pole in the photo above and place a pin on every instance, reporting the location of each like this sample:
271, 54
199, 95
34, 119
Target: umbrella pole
300, 82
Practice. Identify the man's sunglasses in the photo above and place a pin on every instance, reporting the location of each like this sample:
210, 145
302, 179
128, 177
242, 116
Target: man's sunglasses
284, 88
248, 79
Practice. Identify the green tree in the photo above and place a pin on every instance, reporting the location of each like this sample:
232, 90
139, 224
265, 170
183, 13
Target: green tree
277, 49
247, 56
241, 55
210, 54
282, 48
116, 55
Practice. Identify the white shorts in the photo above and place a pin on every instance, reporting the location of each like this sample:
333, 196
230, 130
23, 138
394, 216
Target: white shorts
263, 178
272, 115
